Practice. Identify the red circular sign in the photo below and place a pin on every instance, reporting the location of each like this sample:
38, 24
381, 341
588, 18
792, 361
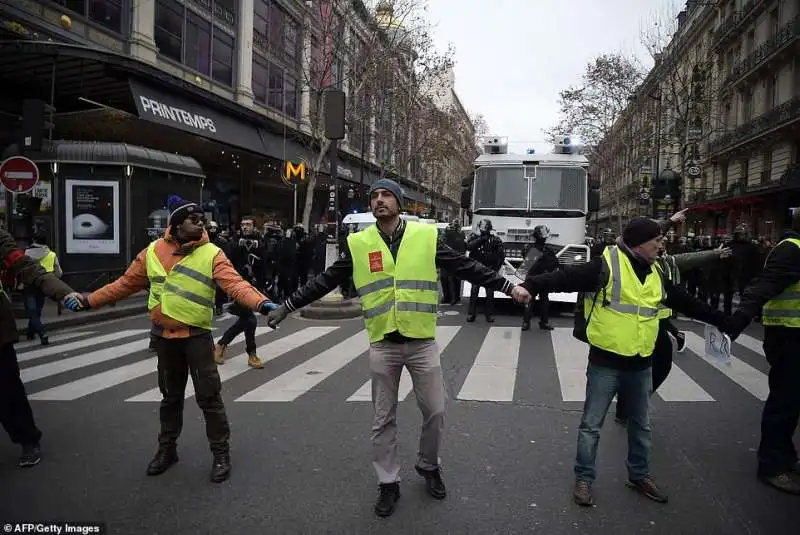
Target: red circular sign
19, 174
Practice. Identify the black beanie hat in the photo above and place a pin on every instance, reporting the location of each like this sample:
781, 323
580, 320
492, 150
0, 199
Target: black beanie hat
640, 230
179, 209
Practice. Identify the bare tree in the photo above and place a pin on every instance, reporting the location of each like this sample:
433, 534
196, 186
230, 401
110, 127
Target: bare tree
687, 88
591, 109
377, 57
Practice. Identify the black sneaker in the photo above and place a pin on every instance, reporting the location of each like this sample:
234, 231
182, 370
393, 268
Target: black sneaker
163, 459
31, 455
433, 482
387, 499
546, 326
221, 469
680, 342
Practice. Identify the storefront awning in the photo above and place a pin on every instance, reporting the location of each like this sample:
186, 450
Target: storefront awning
80, 78
99, 153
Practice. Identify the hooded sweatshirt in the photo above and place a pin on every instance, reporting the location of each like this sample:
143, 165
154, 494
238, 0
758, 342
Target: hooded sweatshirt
37, 252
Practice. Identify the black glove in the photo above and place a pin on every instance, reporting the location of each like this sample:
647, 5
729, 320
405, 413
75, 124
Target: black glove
267, 307
276, 316
734, 325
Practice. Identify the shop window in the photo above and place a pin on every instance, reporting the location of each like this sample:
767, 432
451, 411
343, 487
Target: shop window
107, 13
260, 75
290, 44
275, 30
221, 68
290, 87
192, 39
275, 97
198, 43
169, 29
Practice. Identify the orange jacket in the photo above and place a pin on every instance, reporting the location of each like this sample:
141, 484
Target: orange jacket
169, 253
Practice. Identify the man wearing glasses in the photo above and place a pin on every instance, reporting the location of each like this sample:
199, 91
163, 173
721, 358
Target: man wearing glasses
183, 269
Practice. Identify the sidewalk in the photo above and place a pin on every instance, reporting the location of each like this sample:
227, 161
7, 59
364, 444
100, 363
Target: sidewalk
136, 304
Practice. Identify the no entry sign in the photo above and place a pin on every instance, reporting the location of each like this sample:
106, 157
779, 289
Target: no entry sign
19, 174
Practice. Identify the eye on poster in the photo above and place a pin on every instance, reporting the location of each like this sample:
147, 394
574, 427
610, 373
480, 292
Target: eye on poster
92, 217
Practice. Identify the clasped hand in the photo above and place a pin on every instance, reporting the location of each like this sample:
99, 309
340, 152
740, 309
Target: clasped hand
75, 302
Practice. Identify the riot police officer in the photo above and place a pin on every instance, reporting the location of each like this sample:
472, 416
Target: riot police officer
487, 249
545, 261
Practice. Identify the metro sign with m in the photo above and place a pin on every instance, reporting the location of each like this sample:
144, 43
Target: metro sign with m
292, 170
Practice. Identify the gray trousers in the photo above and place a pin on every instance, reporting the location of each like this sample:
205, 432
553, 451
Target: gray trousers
386, 360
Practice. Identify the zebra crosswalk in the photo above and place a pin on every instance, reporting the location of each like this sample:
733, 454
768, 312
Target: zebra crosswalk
79, 364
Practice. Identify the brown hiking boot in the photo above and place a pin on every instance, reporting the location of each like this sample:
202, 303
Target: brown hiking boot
219, 354
782, 482
582, 493
254, 362
648, 487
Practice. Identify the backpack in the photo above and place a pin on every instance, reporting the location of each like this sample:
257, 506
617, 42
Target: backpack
581, 322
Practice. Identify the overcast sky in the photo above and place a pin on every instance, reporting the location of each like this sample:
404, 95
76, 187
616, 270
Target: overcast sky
514, 56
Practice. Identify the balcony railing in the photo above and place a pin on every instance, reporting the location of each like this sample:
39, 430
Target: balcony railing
785, 36
734, 21
786, 113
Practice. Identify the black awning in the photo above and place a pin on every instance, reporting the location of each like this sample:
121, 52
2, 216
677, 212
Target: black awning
99, 153
414, 195
81, 78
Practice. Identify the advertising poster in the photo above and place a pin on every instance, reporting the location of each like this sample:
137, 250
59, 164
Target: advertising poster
92, 217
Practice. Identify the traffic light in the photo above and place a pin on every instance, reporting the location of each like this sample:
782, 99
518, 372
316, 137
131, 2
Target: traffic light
37, 118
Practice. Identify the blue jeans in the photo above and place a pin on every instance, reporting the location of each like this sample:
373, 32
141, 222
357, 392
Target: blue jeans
33, 301
602, 384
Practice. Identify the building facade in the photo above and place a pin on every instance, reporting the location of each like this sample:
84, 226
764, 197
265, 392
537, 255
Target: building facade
727, 90
235, 84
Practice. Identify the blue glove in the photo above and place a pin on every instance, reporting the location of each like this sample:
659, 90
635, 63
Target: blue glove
268, 307
74, 302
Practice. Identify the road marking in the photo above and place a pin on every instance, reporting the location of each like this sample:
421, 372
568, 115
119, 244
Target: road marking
97, 382
572, 358
444, 335
302, 378
753, 344
680, 387
237, 365
81, 361
494, 372
53, 339
80, 344
739, 371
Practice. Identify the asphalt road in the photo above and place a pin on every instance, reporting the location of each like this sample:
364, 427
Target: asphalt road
300, 448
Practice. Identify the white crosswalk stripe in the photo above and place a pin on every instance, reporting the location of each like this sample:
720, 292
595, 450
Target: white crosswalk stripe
79, 364
303, 378
238, 365
494, 373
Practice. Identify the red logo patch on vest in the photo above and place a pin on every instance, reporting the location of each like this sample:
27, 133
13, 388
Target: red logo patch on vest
375, 262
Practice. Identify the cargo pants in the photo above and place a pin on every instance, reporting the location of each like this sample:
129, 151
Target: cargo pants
421, 358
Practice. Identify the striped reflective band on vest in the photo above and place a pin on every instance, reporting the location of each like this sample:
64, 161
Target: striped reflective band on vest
616, 291
405, 306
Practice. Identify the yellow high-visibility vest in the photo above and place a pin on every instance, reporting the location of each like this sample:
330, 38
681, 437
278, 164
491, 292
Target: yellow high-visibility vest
400, 295
48, 262
669, 270
784, 310
187, 292
627, 324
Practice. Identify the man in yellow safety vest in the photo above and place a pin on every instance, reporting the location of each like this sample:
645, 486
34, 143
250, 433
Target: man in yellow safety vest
182, 270
624, 292
777, 290
33, 297
394, 269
